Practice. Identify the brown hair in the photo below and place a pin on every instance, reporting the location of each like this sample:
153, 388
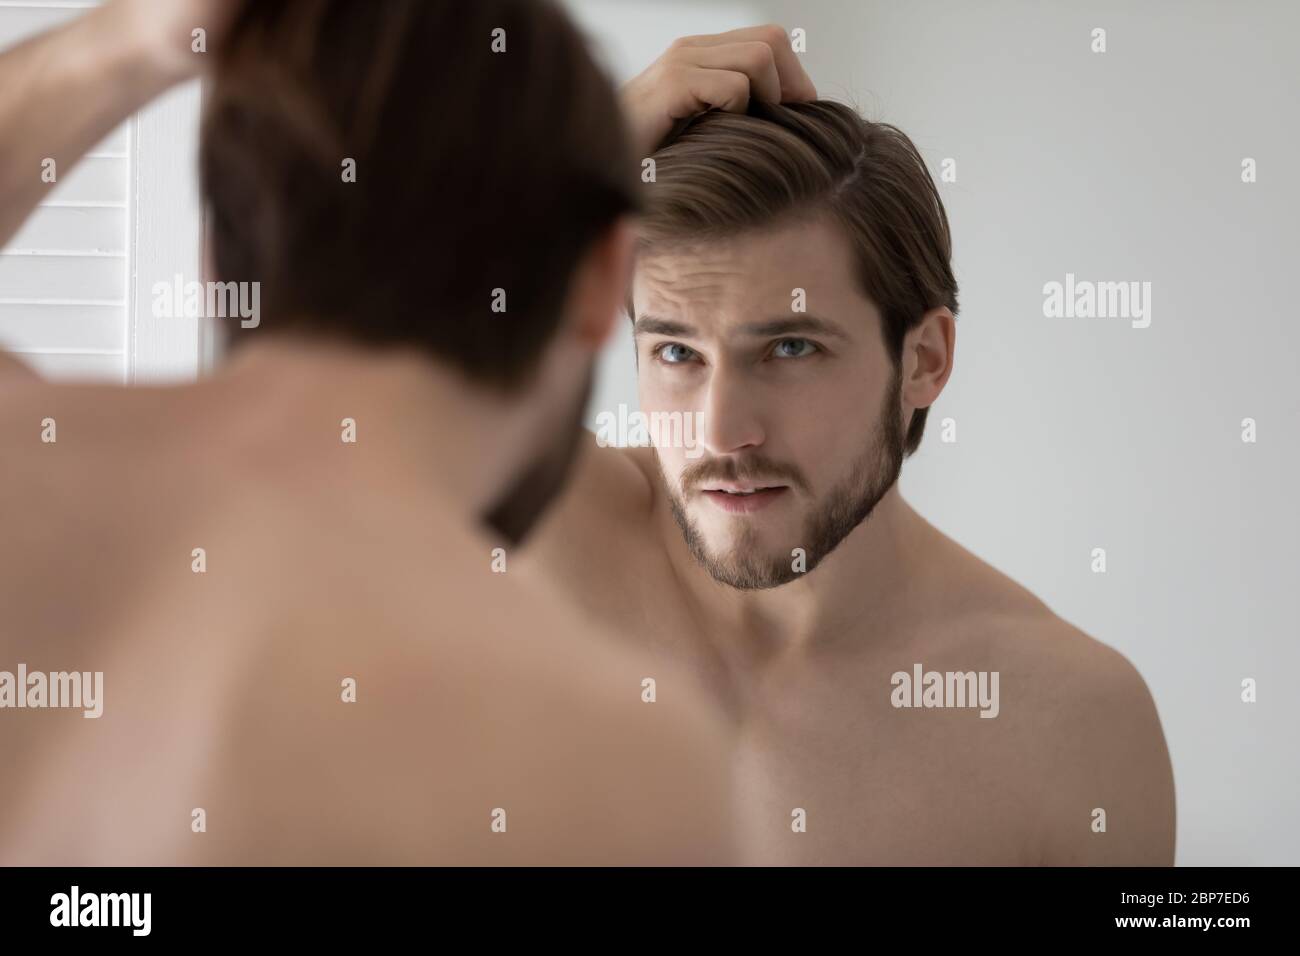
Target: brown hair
726, 173
476, 170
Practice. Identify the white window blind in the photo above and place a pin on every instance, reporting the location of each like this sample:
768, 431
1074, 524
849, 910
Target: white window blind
75, 300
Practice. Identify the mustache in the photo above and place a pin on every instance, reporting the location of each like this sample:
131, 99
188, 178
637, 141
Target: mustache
752, 468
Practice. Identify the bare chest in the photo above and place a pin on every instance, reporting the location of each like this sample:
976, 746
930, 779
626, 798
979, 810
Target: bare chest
829, 770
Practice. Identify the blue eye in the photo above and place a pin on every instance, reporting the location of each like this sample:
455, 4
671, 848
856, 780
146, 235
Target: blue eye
674, 353
793, 348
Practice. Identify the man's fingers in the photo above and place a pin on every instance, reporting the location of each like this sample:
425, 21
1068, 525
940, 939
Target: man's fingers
754, 59
796, 84
717, 71
716, 89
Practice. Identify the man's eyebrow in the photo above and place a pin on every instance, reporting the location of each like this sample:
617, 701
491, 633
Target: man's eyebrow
794, 326
654, 325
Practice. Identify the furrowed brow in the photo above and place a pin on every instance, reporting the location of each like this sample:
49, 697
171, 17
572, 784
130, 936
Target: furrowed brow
653, 325
794, 326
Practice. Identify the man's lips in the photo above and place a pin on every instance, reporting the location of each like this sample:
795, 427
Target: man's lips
739, 487
739, 498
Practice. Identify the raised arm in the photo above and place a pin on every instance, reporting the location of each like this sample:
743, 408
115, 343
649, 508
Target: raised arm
65, 90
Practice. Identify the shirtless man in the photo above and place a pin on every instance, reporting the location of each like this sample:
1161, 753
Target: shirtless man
793, 289
305, 654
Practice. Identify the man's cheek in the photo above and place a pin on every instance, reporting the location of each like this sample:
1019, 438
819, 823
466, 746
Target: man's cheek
692, 430
671, 466
675, 463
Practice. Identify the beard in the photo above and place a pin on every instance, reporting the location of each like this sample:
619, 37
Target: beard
540, 481
743, 566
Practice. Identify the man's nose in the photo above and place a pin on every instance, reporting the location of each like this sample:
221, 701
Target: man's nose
731, 415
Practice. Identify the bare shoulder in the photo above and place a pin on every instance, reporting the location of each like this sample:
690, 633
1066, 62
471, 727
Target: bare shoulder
1079, 714
1112, 799
13, 368
20, 389
609, 498
610, 482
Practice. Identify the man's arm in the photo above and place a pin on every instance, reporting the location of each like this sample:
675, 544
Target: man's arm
64, 91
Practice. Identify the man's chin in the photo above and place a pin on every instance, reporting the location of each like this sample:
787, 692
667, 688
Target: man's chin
748, 559
744, 551
748, 571
724, 534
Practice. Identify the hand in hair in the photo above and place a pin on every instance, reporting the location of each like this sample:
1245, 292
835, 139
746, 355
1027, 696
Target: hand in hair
168, 29
720, 70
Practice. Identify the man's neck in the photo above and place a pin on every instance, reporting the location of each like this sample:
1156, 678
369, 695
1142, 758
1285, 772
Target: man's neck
408, 410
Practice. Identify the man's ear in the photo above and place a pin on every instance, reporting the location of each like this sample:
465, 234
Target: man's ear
928, 356
600, 283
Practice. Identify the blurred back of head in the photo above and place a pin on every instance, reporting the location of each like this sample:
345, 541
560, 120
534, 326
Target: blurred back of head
489, 153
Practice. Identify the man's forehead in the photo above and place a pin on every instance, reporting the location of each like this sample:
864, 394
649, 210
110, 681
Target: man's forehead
769, 270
